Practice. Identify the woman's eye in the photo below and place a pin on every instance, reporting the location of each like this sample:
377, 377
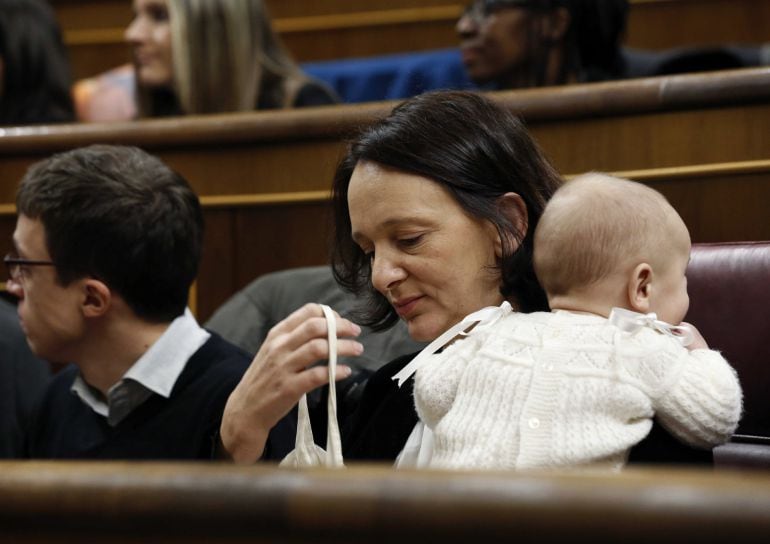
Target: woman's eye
411, 241
158, 14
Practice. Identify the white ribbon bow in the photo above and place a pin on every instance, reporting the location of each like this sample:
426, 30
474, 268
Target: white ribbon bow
483, 318
630, 322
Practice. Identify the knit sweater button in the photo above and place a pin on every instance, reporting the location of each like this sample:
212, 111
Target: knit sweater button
533, 423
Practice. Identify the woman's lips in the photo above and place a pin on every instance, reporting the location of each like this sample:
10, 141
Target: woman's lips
405, 306
470, 53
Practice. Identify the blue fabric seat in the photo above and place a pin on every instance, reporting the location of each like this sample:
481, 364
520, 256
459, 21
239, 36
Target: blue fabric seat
391, 77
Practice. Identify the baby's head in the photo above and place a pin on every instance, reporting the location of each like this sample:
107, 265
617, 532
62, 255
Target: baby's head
605, 242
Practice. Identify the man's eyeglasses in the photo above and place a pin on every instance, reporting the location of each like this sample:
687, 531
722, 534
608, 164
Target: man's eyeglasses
481, 9
15, 265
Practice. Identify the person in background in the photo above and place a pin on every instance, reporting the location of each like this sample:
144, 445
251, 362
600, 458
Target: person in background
507, 44
209, 56
580, 385
107, 243
23, 379
34, 69
200, 56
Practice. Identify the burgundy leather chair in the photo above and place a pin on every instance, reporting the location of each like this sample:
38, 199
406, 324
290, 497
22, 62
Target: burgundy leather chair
729, 286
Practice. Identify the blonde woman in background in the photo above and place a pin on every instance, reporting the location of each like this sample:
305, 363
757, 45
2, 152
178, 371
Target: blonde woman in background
201, 56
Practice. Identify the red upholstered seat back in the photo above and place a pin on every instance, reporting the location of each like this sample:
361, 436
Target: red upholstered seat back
729, 286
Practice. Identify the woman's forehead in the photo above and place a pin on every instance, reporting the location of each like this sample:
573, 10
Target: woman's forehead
380, 198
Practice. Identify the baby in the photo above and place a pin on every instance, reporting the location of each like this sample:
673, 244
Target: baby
581, 384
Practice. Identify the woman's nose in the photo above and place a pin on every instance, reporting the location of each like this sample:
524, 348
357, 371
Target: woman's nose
386, 273
466, 26
135, 31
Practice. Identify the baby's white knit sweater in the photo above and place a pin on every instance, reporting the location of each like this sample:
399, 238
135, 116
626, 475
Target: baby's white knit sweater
563, 389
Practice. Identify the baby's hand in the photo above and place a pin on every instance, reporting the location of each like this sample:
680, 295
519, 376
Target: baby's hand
698, 342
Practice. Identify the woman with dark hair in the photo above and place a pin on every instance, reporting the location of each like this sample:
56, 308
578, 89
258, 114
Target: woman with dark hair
34, 70
509, 44
435, 207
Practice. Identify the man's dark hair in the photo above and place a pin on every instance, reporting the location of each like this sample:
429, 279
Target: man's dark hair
474, 148
119, 215
35, 84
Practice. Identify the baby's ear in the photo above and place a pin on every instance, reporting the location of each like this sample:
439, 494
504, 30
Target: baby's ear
640, 288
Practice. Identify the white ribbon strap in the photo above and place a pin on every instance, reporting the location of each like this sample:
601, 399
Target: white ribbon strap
333, 441
485, 317
306, 453
630, 322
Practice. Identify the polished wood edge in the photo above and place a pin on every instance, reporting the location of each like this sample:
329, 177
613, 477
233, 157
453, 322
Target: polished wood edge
364, 20
238, 201
699, 171
231, 201
448, 13
379, 500
616, 98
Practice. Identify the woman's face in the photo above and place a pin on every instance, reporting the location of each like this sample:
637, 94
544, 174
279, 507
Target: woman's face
494, 40
149, 36
429, 258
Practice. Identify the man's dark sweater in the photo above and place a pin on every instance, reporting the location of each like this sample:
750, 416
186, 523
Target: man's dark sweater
183, 426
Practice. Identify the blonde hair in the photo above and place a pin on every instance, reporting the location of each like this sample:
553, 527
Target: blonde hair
596, 225
226, 57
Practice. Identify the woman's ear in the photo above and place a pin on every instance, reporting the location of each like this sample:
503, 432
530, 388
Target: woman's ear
514, 209
97, 298
640, 288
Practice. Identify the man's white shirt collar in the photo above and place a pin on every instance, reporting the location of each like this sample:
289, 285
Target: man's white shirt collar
158, 369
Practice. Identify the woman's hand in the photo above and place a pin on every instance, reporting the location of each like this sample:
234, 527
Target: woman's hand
279, 376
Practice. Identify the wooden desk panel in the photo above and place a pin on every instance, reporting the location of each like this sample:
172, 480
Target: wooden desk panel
251, 235
645, 123
662, 24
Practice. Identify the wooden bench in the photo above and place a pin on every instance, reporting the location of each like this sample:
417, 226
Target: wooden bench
334, 29
196, 503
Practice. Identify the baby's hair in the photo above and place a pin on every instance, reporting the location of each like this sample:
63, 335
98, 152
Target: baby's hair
596, 225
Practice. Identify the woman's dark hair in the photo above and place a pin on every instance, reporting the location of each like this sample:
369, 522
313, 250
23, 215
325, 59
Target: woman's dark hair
593, 40
35, 86
477, 150
597, 28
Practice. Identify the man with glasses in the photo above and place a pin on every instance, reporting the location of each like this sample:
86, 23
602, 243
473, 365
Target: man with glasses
508, 44
107, 244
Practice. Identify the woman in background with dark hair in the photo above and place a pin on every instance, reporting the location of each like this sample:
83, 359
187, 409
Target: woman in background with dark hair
34, 70
508, 44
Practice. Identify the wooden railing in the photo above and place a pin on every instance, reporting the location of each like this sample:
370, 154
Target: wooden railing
644, 123
195, 503
332, 29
